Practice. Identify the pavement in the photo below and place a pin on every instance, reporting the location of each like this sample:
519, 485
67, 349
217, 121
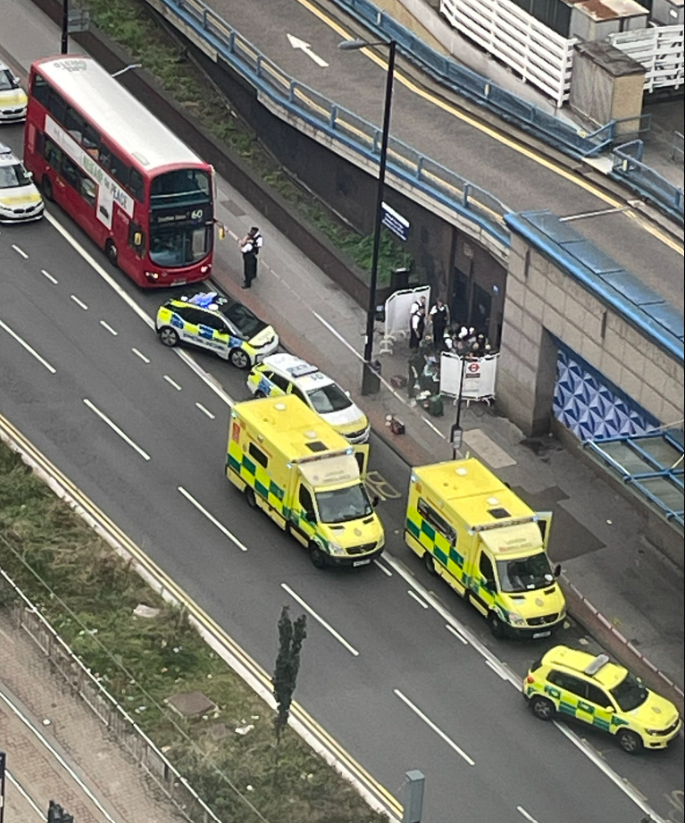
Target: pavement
57, 749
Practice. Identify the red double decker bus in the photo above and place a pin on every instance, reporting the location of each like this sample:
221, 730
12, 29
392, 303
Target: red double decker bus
139, 192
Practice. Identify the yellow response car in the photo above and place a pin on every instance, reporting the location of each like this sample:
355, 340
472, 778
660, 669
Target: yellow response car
597, 691
13, 99
219, 324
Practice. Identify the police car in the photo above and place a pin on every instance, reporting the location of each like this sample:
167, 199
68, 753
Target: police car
594, 690
217, 323
285, 374
19, 198
13, 99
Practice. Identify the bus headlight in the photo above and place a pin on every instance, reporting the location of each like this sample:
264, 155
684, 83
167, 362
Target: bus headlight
205, 269
152, 275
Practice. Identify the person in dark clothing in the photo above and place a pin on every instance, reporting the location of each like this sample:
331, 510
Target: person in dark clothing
417, 322
440, 318
250, 246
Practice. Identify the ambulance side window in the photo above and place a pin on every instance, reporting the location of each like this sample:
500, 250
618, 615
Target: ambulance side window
598, 696
306, 501
486, 569
258, 456
439, 523
568, 682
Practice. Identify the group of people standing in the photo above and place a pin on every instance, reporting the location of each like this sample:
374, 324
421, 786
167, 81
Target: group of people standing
446, 337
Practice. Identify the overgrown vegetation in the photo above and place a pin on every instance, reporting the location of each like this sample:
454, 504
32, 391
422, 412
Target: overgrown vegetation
89, 595
131, 24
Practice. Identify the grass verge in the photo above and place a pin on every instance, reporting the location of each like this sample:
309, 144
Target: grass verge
89, 595
131, 24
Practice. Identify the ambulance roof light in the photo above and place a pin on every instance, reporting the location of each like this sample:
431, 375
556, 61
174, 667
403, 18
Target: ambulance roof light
599, 662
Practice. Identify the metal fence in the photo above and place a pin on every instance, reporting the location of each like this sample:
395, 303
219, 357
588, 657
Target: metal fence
124, 729
628, 166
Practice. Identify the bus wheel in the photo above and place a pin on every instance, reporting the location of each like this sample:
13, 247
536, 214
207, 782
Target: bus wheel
317, 557
111, 252
46, 185
429, 563
239, 359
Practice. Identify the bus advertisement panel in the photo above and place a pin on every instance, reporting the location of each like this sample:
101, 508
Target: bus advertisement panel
137, 190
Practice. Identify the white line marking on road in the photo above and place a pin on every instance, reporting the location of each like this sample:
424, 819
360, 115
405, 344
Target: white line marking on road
172, 382
206, 411
457, 634
116, 429
435, 428
498, 669
296, 43
385, 570
28, 348
337, 334
106, 325
415, 596
435, 728
79, 302
20, 252
141, 355
525, 814
326, 625
212, 519
25, 795
616, 779
58, 757
47, 274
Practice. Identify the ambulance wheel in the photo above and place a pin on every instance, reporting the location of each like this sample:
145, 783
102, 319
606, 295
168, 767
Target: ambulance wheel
239, 359
429, 563
111, 252
543, 708
46, 185
250, 497
630, 742
496, 626
168, 336
317, 557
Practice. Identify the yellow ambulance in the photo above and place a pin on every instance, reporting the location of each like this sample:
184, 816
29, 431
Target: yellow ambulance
491, 548
295, 467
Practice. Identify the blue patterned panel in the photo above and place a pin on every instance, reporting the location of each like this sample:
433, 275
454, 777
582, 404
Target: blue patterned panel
591, 407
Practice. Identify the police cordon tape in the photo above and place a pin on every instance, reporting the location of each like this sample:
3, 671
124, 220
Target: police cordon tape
376, 795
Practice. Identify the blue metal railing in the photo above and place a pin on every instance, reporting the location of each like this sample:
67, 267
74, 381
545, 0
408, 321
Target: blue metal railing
628, 166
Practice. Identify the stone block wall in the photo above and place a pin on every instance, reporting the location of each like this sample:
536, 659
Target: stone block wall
542, 300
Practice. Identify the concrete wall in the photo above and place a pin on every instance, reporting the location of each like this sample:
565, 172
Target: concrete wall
543, 300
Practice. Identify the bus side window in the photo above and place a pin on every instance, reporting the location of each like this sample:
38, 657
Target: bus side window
120, 171
88, 189
53, 155
70, 172
137, 185
136, 238
74, 124
91, 141
57, 107
40, 89
105, 157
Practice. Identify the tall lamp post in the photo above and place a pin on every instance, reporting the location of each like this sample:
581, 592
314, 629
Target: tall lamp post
65, 26
370, 379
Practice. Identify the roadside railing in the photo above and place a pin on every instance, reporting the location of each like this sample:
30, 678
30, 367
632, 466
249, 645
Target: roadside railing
677, 147
82, 683
628, 166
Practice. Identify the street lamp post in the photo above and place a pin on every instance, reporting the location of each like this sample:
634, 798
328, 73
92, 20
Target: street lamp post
370, 381
456, 432
65, 26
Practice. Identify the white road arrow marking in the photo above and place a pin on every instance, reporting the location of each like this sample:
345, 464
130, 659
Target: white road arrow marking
296, 43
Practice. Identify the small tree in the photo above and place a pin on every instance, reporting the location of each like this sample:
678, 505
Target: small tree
291, 636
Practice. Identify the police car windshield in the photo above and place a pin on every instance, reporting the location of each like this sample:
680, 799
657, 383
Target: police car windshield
630, 693
7, 80
243, 319
329, 399
525, 574
11, 177
342, 505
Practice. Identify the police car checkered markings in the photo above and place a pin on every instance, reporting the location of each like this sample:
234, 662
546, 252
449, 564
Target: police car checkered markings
116, 429
28, 348
212, 519
320, 620
434, 727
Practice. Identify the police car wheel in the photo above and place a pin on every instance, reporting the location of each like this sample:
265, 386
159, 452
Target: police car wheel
239, 359
317, 557
250, 497
630, 742
543, 708
429, 563
169, 337
46, 185
259, 394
